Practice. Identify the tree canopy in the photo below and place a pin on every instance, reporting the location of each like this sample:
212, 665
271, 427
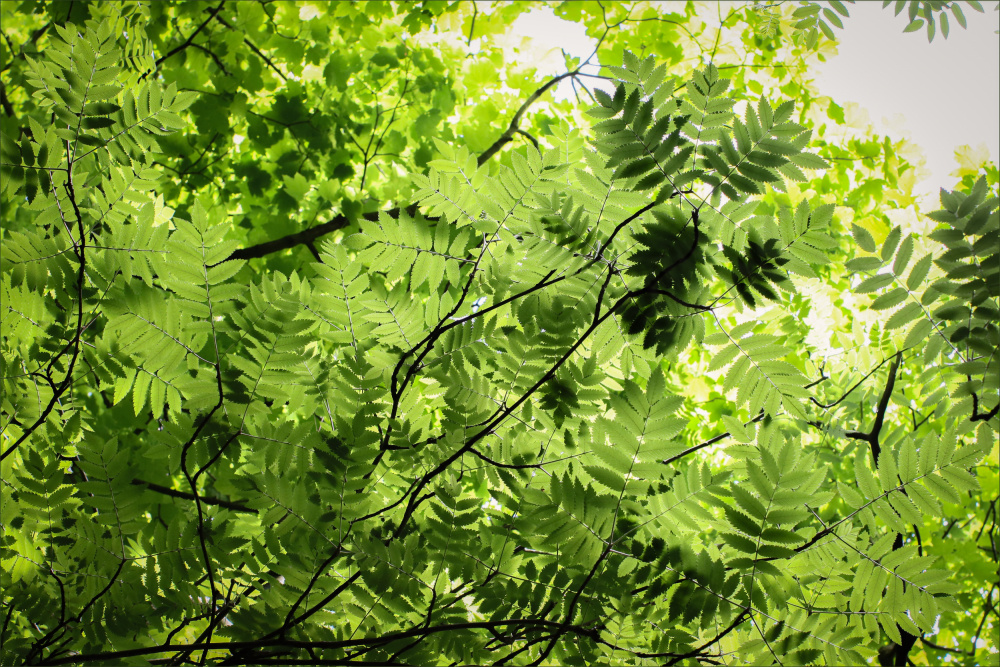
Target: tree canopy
331, 336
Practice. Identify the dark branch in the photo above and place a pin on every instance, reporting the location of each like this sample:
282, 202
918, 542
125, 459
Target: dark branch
305, 237
516, 120
230, 505
982, 416
211, 53
310, 235
848, 392
712, 441
253, 47
472, 28
380, 640
187, 42
4, 102
872, 436
937, 647
530, 138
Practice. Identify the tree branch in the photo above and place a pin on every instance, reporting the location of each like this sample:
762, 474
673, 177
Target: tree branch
228, 504
252, 46
310, 235
872, 436
982, 416
711, 441
4, 102
508, 134
187, 42
305, 237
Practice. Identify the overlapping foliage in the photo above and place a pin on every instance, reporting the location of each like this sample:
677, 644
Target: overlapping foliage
581, 400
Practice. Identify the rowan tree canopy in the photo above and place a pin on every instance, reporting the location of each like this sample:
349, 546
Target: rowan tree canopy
331, 336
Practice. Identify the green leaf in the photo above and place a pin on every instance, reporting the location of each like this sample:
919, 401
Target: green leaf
748, 503
957, 12
918, 333
903, 255
860, 264
890, 299
742, 522
95, 122
891, 241
874, 283
781, 536
378, 343
839, 7
775, 551
904, 315
919, 272
833, 18
863, 238
100, 109
739, 543
850, 496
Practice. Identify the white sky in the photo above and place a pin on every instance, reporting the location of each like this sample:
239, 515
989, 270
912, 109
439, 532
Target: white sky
940, 95
550, 34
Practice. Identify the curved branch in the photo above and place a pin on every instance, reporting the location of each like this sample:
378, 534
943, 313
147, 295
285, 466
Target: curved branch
381, 640
307, 236
512, 129
187, 42
252, 46
228, 504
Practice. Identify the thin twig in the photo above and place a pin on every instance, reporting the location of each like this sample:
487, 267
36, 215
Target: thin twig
187, 42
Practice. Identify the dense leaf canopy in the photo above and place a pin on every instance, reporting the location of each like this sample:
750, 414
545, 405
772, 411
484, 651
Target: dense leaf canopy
330, 335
